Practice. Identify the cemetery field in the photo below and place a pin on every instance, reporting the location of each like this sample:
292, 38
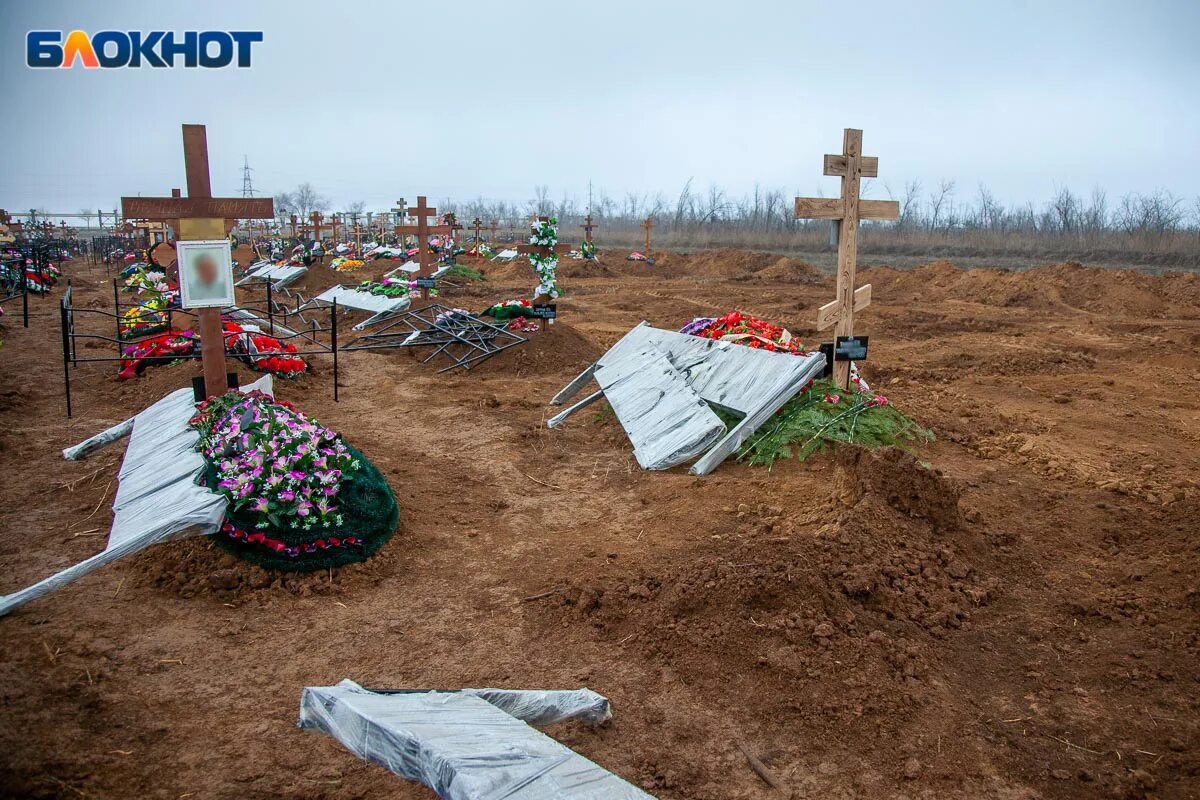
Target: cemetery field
1010, 611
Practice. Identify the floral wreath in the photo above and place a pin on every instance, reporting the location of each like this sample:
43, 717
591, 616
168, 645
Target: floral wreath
544, 232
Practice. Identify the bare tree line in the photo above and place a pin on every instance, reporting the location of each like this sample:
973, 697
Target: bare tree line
934, 215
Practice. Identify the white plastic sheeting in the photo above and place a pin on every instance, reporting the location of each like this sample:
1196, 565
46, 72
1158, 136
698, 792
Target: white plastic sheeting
278, 275
469, 745
753, 383
507, 254
667, 421
412, 268
380, 306
157, 495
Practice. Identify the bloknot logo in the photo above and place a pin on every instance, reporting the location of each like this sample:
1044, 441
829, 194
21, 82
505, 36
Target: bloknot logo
132, 49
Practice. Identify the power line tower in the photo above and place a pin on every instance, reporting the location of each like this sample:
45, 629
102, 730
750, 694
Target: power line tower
247, 184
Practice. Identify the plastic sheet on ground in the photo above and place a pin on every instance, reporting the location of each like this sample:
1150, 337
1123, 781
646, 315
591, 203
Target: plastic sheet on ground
473, 744
278, 275
158, 498
664, 372
412, 268
380, 306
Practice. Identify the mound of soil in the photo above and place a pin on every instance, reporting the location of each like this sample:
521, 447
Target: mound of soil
1069, 285
719, 263
517, 269
825, 618
790, 270
572, 268
196, 568
553, 348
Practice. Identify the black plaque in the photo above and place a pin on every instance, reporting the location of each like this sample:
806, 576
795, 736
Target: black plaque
549, 311
425, 283
851, 348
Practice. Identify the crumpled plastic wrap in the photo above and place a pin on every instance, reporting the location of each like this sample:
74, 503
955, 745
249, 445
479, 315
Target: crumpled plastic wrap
472, 744
158, 498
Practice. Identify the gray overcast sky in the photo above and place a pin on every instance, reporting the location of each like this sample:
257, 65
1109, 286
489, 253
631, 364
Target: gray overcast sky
373, 101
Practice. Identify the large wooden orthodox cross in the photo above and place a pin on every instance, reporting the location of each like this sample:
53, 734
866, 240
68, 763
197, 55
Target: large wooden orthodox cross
647, 225
493, 227
334, 223
477, 224
293, 221
201, 216
850, 166
423, 230
358, 234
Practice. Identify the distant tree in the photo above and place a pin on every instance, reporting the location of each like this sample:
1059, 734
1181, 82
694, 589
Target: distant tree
307, 200
1065, 211
990, 214
939, 203
910, 206
540, 202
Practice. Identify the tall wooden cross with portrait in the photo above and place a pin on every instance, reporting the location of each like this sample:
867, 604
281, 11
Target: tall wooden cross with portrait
201, 217
851, 165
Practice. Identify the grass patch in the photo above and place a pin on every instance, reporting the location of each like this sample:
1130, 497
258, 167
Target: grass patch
465, 273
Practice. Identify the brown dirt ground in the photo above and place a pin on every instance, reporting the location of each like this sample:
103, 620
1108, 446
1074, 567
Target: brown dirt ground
1018, 619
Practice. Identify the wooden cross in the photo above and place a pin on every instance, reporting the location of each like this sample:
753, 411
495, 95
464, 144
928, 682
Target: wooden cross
493, 227
201, 216
477, 224
401, 211
588, 227
423, 231
453, 223
293, 221
543, 251
334, 222
316, 218
358, 232
850, 166
647, 225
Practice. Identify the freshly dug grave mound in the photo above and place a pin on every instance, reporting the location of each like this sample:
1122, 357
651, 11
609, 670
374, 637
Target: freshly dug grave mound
718, 263
518, 268
1068, 284
824, 615
199, 568
582, 268
790, 270
550, 350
